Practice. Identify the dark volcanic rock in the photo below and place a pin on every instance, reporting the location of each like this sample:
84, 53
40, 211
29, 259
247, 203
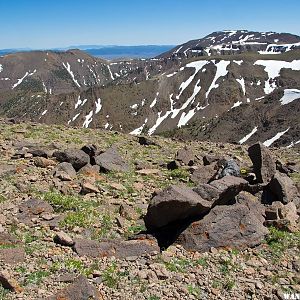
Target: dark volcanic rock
173, 204
173, 165
229, 187
144, 141
186, 157
90, 150
283, 188
64, 169
80, 289
207, 192
77, 158
204, 174
119, 249
263, 162
209, 159
111, 160
235, 226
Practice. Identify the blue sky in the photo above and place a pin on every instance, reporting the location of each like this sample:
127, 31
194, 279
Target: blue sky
60, 23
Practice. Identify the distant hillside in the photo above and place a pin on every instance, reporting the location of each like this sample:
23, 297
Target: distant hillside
109, 52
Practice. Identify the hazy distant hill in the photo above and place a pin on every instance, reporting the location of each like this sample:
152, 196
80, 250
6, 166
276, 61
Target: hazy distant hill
110, 52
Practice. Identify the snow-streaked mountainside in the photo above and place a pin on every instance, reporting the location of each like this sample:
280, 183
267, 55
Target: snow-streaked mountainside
235, 42
239, 97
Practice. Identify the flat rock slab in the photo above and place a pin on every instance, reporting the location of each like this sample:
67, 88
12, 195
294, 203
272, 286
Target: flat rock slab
33, 208
237, 226
119, 249
11, 250
80, 289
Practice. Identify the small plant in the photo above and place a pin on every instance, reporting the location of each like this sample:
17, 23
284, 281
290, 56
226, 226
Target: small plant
111, 276
178, 265
195, 291
229, 284
2, 198
279, 241
153, 297
36, 277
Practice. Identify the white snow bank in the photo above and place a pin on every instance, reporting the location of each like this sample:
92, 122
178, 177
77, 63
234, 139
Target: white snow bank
289, 96
248, 136
269, 142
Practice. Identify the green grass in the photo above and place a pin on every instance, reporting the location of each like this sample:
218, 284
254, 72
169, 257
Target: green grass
280, 241
111, 276
36, 277
195, 291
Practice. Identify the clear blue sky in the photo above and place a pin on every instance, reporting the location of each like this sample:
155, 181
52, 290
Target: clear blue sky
59, 23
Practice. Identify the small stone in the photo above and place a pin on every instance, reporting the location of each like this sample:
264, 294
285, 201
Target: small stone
9, 283
63, 239
87, 188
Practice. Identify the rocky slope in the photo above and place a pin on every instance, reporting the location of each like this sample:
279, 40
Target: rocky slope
243, 98
87, 223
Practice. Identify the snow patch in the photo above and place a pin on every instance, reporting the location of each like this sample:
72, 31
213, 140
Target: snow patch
289, 96
236, 104
221, 71
269, 142
242, 83
273, 68
88, 119
21, 79
68, 68
98, 106
139, 130
248, 136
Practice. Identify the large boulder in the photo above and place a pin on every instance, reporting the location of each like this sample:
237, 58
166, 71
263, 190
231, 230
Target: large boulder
173, 204
229, 187
111, 160
77, 158
264, 165
235, 226
80, 289
283, 188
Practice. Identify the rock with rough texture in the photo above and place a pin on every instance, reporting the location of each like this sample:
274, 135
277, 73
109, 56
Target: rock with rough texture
236, 226
65, 170
43, 162
87, 188
80, 289
207, 192
77, 158
209, 159
264, 165
63, 239
145, 141
283, 188
90, 150
282, 216
185, 156
173, 204
119, 249
33, 208
11, 250
229, 187
111, 160
9, 283
204, 174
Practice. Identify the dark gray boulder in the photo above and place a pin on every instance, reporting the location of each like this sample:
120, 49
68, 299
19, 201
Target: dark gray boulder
173, 204
111, 160
77, 158
264, 165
